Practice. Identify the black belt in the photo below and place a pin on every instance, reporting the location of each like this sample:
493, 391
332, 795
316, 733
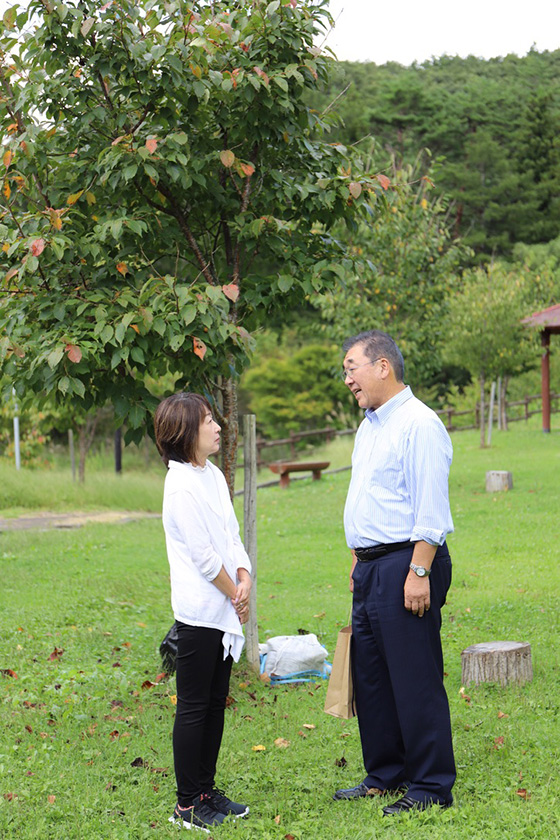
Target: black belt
374, 552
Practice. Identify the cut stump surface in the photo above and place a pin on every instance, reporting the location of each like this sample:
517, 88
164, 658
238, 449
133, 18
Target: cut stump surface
499, 662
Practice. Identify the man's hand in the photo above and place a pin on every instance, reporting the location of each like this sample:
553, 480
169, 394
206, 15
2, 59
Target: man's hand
416, 594
354, 561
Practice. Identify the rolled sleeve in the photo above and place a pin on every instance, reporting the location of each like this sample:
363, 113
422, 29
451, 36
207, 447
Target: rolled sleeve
426, 475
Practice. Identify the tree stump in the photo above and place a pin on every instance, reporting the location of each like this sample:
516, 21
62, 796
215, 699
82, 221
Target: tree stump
500, 662
497, 480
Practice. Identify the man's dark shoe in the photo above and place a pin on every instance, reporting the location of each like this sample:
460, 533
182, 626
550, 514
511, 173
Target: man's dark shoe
406, 803
358, 792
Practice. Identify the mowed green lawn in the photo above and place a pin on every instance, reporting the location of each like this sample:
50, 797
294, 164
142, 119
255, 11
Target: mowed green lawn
85, 743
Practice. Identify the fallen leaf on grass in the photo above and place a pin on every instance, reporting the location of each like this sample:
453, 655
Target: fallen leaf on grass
258, 748
29, 728
522, 792
10, 796
498, 742
341, 762
115, 703
7, 672
303, 734
173, 699
319, 615
502, 715
114, 734
277, 819
51, 798
281, 742
148, 684
265, 678
289, 837
56, 654
309, 726
138, 762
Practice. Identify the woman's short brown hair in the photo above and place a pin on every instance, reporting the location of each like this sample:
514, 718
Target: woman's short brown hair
176, 424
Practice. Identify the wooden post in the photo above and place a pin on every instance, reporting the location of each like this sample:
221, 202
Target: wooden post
118, 450
499, 403
499, 662
72, 453
250, 533
490, 415
545, 380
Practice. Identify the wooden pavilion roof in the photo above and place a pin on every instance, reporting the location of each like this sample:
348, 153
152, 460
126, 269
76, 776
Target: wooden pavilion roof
546, 319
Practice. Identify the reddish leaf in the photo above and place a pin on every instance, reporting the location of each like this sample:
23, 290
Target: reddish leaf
355, 189
498, 742
384, 181
56, 654
227, 157
231, 291
117, 140
161, 676
151, 144
289, 837
114, 734
74, 353
29, 729
248, 169
199, 347
7, 672
522, 792
148, 684
37, 247
7, 159
122, 268
11, 273
502, 715
51, 798
262, 75
244, 47
10, 796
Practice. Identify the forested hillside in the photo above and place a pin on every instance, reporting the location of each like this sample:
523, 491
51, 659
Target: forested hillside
495, 123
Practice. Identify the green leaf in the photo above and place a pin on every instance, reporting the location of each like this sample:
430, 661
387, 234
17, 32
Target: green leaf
63, 384
55, 356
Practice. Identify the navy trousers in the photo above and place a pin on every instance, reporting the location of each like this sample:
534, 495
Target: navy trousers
402, 706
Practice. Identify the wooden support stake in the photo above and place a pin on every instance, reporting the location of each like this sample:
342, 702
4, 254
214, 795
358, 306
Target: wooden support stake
497, 662
250, 533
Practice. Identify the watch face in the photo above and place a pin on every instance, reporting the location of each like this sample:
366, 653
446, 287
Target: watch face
421, 572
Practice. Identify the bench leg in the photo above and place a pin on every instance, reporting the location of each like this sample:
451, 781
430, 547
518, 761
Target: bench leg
285, 480
316, 475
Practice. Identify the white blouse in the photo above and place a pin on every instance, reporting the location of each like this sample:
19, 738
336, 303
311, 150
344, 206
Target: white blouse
202, 534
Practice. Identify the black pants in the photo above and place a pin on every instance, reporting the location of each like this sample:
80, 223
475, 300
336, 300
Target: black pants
402, 706
202, 688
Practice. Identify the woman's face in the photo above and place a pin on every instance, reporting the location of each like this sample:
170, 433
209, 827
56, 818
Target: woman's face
208, 442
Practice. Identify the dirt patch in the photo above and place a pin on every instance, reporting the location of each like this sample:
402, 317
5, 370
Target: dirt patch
45, 520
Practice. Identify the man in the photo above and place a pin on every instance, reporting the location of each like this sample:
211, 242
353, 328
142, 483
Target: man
396, 520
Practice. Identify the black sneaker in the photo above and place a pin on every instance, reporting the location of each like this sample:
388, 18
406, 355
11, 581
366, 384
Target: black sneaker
221, 803
200, 815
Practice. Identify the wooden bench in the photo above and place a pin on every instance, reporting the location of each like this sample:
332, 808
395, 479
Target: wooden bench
284, 468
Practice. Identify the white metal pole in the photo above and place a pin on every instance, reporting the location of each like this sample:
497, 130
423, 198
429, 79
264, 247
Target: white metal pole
16, 433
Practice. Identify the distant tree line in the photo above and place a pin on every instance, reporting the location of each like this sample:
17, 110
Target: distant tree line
494, 125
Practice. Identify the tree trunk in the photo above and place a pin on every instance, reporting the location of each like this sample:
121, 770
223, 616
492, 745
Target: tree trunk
482, 381
504, 423
230, 431
86, 434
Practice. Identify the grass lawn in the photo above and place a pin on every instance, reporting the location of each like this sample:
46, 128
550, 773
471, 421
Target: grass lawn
85, 744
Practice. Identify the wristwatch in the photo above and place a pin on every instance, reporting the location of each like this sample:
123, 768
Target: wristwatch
421, 571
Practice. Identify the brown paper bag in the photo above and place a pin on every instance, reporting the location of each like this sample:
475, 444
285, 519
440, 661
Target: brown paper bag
340, 692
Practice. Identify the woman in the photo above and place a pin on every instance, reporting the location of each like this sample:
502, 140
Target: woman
210, 585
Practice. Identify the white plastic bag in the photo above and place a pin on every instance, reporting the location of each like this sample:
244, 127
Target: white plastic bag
290, 654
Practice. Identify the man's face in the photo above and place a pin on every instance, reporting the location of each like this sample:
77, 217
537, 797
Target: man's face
365, 377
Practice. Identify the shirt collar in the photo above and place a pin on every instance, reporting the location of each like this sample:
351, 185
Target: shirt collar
386, 410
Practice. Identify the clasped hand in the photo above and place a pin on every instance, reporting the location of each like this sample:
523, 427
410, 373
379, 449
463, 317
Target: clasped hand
240, 600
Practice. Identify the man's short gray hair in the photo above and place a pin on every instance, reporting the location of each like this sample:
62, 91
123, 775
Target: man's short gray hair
376, 345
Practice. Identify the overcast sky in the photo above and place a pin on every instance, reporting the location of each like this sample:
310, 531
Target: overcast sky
416, 30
